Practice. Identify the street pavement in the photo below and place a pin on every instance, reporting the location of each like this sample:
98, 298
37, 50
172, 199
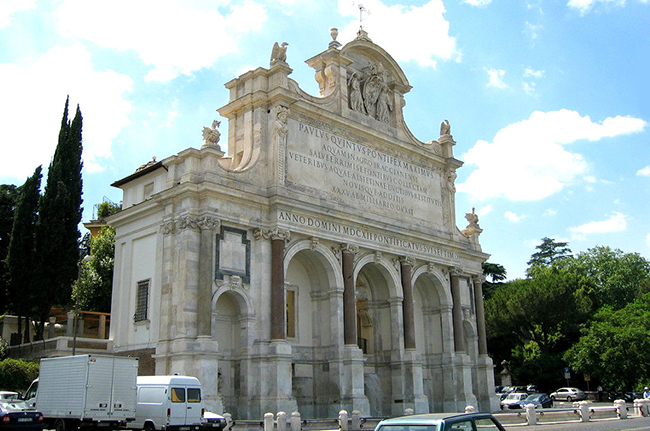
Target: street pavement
600, 425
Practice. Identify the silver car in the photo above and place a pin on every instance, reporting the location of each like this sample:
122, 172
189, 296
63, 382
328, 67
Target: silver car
568, 394
442, 422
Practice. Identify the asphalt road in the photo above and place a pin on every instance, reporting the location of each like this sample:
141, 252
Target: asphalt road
601, 425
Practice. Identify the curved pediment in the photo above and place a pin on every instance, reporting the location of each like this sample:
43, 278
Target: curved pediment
369, 59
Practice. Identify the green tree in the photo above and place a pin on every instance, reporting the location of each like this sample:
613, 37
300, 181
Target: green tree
58, 233
496, 274
92, 292
16, 374
107, 208
549, 251
615, 347
9, 194
531, 322
620, 277
21, 254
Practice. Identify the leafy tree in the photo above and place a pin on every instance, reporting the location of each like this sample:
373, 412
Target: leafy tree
549, 251
92, 292
615, 347
107, 208
21, 254
531, 322
57, 233
620, 277
496, 273
9, 194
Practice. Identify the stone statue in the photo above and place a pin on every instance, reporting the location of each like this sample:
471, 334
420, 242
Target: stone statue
472, 218
451, 178
384, 105
279, 52
356, 100
445, 128
211, 135
281, 120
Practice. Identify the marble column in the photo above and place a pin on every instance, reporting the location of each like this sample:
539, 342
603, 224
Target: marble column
457, 312
480, 314
406, 266
349, 298
278, 321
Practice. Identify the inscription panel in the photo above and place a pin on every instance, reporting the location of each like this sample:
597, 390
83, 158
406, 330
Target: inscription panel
330, 164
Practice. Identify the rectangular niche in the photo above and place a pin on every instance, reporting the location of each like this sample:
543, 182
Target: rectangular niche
233, 254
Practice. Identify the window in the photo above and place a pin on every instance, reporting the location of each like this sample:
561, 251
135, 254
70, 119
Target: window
193, 395
486, 424
142, 301
462, 426
148, 190
178, 395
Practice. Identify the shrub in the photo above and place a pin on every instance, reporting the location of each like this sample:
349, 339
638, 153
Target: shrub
16, 374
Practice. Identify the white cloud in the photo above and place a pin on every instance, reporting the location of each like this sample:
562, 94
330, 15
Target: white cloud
584, 6
515, 218
617, 222
496, 78
478, 2
527, 160
550, 213
644, 172
9, 7
37, 93
529, 87
485, 210
408, 33
533, 29
531, 73
179, 38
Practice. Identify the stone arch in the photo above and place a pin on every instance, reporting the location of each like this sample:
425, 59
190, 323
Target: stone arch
433, 329
230, 328
312, 280
379, 327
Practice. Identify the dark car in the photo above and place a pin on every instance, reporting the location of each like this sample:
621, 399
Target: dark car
539, 400
18, 416
442, 422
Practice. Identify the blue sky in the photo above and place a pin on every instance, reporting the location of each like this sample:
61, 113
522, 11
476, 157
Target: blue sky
549, 101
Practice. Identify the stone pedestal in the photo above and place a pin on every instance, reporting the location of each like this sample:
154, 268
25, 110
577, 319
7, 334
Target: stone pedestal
276, 393
352, 389
414, 388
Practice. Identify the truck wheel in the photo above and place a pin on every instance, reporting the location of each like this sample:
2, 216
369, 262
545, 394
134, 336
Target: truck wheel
148, 427
59, 425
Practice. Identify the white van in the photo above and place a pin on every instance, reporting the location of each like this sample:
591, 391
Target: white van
168, 403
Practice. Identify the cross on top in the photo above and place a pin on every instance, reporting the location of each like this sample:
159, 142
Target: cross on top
362, 9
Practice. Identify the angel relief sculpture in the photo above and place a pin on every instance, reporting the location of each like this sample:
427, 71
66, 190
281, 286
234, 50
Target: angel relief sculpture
369, 93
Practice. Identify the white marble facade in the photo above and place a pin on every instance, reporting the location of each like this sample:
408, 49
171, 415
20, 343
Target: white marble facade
316, 266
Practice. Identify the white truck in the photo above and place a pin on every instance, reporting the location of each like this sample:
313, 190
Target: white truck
169, 403
82, 391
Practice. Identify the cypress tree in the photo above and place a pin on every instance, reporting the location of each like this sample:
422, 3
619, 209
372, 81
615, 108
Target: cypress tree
58, 233
21, 253
9, 195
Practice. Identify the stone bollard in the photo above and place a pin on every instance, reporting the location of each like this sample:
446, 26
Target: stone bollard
295, 421
638, 407
268, 421
621, 409
583, 407
343, 420
409, 411
282, 421
645, 405
229, 422
470, 409
531, 416
356, 420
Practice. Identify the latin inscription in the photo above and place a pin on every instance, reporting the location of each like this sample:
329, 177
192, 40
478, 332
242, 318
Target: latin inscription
354, 232
358, 175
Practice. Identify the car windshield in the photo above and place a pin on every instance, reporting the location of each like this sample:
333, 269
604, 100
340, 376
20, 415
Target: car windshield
14, 406
408, 428
534, 397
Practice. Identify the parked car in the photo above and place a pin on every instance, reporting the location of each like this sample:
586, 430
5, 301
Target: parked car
442, 422
16, 415
539, 400
513, 400
9, 395
213, 421
568, 394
